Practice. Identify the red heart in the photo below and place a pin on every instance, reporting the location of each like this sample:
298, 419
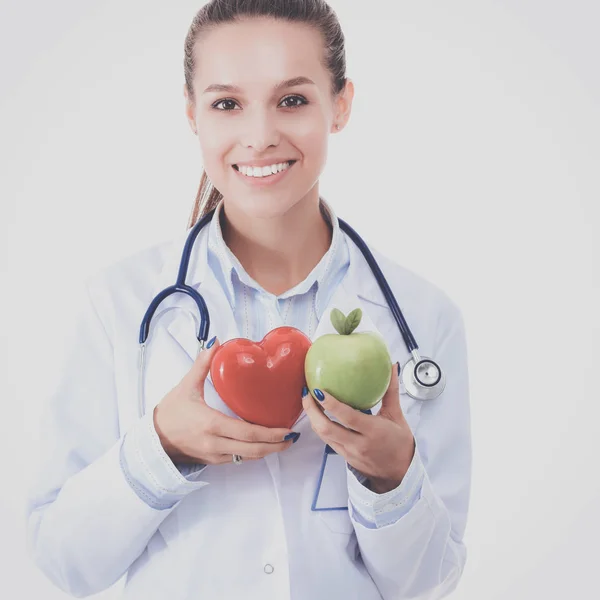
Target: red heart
262, 382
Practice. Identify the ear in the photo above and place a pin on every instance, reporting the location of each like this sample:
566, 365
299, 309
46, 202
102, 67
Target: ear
343, 105
189, 110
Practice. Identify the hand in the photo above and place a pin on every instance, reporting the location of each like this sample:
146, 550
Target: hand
380, 446
191, 431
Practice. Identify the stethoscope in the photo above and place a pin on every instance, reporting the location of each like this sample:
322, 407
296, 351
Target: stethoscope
422, 377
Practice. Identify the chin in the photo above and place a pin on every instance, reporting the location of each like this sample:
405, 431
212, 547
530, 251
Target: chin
265, 206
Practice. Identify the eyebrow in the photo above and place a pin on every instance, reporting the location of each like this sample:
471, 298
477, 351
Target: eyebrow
234, 89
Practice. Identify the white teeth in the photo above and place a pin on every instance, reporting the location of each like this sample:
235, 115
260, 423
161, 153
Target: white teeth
263, 171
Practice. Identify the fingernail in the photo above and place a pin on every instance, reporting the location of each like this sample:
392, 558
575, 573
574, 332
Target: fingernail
304, 391
398, 363
211, 342
292, 436
319, 394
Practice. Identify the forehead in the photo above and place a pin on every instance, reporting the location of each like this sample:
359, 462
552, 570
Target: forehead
258, 52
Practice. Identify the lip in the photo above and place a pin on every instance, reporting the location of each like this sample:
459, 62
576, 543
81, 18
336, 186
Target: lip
263, 162
263, 181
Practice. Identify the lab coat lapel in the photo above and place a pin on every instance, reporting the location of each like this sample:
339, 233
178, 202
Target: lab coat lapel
172, 344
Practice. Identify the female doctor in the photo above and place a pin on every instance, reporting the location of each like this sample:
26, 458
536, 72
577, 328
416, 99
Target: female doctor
186, 500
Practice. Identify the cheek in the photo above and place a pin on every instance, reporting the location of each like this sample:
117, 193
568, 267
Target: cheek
213, 150
211, 143
312, 143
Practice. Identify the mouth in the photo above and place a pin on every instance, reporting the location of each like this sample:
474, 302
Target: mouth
264, 172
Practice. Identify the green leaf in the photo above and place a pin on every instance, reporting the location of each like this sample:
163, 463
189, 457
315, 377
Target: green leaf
338, 320
352, 321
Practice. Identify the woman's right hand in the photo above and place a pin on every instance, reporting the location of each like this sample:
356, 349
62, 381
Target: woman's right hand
193, 432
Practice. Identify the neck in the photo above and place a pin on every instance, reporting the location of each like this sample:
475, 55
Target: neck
279, 252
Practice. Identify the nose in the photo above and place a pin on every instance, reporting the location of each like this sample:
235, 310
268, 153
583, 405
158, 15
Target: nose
260, 131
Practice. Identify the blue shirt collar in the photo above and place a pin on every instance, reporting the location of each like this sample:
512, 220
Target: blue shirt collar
221, 258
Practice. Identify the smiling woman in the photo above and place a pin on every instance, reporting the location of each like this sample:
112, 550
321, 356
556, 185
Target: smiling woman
285, 95
188, 499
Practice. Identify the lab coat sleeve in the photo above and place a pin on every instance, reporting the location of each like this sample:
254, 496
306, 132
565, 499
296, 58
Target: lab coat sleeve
375, 510
85, 523
151, 472
422, 553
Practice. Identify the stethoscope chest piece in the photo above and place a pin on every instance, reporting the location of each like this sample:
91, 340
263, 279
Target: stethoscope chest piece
422, 378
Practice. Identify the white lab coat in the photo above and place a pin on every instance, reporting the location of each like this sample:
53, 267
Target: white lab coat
87, 528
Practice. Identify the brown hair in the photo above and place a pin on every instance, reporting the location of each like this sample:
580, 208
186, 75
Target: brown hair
312, 12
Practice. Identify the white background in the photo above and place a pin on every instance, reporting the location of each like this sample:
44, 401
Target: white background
471, 157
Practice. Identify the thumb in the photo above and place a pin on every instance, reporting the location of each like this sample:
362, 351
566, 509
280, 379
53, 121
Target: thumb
196, 376
390, 403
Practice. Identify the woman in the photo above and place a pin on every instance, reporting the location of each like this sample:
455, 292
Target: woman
159, 498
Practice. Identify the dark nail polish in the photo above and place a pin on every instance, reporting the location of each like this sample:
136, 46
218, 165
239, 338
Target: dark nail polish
319, 394
304, 391
292, 436
398, 363
211, 342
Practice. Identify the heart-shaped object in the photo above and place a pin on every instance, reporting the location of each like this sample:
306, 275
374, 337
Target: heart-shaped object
262, 382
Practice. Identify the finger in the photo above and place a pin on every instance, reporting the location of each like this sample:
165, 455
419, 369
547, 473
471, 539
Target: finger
328, 430
223, 459
338, 448
225, 426
390, 403
225, 446
211, 459
348, 416
199, 370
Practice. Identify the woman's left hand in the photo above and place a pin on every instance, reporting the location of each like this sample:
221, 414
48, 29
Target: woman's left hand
380, 446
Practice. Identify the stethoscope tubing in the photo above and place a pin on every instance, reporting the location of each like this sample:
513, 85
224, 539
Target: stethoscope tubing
180, 286
416, 387
409, 339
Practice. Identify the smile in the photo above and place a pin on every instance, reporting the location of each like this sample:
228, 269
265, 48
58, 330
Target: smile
250, 171
264, 175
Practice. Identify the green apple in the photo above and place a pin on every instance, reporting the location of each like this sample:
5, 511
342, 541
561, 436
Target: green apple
355, 368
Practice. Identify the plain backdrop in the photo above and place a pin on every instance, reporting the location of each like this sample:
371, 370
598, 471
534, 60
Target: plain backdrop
471, 157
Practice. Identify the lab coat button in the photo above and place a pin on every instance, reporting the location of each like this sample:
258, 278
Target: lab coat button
269, 569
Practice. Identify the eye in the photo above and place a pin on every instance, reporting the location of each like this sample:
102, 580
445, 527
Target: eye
301, 100
220, 101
